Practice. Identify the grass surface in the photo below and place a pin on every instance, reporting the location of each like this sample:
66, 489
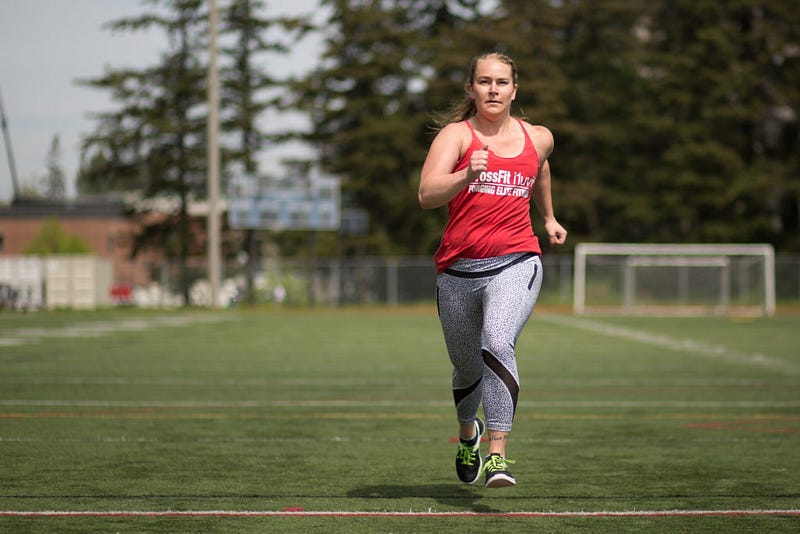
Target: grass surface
694, 421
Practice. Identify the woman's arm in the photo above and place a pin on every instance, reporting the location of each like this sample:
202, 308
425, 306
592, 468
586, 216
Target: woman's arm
544, 203
438, 183
542, 189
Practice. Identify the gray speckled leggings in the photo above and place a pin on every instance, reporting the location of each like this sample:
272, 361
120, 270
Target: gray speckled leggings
483, 306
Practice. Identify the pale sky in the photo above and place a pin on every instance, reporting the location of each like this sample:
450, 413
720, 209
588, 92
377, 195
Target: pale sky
46, 45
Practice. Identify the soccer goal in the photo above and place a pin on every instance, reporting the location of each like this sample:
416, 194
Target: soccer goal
672, 279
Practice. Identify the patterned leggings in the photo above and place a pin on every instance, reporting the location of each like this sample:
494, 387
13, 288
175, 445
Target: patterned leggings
483, 306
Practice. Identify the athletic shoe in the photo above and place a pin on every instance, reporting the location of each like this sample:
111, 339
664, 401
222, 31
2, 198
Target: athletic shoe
496, 469
468, 458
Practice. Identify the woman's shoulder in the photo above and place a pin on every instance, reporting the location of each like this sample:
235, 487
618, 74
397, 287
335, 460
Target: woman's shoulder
536, 129
458, 132
457, 128
541, 136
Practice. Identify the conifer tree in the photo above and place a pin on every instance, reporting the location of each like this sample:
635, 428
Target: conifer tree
723, 78
54, 182
369, 103
249, 90
154, 141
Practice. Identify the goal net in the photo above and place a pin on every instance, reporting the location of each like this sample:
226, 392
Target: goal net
673, 279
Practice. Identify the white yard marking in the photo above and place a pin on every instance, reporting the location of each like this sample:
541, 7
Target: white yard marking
660, 382
299, 512
386, 403
686, 345
27, 336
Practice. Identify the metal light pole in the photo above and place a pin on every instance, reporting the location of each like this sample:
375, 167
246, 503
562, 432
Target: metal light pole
214, 249
9, 152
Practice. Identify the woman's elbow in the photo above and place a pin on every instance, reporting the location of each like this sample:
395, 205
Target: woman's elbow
423, 202
426, 202
422, 198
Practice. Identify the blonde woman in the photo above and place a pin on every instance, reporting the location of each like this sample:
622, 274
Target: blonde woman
486, 166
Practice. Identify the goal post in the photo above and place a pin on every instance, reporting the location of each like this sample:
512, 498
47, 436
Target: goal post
674, 279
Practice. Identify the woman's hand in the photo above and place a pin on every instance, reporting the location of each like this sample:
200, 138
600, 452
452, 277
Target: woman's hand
478, 162
556, 232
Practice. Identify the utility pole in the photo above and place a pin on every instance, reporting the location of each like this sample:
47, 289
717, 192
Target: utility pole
12, 166
214, 254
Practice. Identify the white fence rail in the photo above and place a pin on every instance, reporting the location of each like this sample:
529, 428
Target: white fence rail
58, 281
367, 280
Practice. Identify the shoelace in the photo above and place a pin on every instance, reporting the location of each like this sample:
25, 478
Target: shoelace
466, 455
496, 463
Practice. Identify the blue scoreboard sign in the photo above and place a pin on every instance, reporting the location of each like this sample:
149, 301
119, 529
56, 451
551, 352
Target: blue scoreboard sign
262, 202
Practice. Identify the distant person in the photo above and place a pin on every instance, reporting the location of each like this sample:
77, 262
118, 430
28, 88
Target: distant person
279, 293
485, 165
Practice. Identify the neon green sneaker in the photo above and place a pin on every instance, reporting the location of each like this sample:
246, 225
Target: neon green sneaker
496, 469
469, 463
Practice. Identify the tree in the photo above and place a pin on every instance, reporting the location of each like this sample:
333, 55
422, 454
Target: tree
54, 182
247, 92
369, 103
51, 239
723, 78
675, 120
586, 88
155, 141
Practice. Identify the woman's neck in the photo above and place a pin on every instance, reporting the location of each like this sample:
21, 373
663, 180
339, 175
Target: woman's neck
491, 127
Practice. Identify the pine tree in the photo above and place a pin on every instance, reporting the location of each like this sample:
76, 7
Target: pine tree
724, 80
54, 182
369, 106
249, 91
155, 140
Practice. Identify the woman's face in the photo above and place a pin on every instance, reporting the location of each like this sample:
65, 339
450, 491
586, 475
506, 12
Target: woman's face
492, 87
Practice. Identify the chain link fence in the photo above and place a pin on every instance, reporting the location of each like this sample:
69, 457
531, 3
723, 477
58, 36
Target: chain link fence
408, 280
370, 280
344, 281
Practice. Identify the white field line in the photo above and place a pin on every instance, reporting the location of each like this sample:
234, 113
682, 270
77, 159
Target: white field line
223, 382
26, 336
299, 512
387, 403
338, 440
703, 383
685, 345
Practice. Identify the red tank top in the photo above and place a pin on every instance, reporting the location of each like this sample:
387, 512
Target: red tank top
491, 215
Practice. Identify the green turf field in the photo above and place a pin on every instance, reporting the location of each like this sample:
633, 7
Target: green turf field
342, 421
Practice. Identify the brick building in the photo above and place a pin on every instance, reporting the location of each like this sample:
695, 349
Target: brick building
103, 224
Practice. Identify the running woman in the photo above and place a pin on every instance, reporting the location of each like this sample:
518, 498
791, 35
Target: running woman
486, 165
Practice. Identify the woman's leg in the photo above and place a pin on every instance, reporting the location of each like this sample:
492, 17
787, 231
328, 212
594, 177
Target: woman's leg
509, 300
459, 302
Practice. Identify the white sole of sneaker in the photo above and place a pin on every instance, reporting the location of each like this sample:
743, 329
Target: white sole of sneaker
500, 481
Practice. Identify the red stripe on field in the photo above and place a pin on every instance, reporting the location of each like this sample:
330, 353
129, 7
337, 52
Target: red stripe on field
291, 513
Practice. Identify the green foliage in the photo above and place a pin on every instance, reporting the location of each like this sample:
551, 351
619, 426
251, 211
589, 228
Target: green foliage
154, 142
54, 182
248, 90
246, 94
51, 239
369, 105
714, 77
674, 121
